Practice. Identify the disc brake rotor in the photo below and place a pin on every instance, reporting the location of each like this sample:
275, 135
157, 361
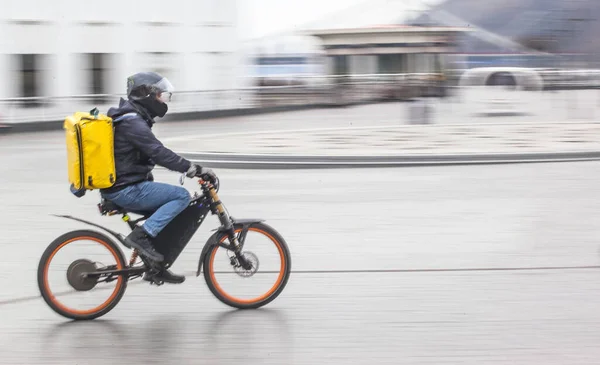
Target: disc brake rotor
76, 275
253, 260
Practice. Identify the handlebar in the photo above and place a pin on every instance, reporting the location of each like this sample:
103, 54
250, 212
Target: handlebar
208, 184
202, 182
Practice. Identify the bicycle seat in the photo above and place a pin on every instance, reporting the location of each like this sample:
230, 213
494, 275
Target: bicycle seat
107, 207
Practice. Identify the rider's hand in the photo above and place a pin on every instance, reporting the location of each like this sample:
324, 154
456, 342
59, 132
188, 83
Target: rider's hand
193, 170
201, 172
206, 174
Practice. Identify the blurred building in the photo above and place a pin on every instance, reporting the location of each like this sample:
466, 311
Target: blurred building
393, 49
368, 50
284, 60
531, 33
57, 51
301, 54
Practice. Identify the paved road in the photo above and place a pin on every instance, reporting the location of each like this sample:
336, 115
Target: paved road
404, 140
419, 219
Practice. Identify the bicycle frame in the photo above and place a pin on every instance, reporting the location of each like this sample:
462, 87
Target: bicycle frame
173, 239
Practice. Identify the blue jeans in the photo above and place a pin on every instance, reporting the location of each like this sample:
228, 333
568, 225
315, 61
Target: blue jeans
166, 201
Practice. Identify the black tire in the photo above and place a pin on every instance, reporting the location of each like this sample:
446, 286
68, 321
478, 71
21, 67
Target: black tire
223, 297
54, 247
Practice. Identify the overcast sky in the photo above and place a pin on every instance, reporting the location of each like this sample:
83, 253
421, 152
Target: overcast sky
261, 17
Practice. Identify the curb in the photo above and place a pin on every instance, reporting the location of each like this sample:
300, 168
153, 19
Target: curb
283, 162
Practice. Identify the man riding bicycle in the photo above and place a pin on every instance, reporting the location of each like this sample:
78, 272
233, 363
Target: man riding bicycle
137, 151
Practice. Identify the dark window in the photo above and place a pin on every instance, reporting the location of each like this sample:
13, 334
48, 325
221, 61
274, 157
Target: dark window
391, 63
30, 78
97, 85
340, 65
505, 79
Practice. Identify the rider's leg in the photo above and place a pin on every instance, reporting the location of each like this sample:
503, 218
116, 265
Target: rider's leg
166, 201
179, 199
171, 200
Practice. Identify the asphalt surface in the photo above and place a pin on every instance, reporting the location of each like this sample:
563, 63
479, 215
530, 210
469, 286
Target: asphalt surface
440, 265
415, 140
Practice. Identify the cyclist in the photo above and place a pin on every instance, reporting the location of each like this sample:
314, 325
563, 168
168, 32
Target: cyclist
137, 151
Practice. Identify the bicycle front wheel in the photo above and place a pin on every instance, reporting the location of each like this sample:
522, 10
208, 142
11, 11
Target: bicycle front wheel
267, 252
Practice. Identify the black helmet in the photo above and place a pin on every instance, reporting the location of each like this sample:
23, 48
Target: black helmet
146, 87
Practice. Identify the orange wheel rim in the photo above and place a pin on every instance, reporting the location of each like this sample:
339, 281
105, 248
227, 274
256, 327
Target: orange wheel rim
63, 307
259, 298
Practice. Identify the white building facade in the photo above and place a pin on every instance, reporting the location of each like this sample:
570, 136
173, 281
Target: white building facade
54, 52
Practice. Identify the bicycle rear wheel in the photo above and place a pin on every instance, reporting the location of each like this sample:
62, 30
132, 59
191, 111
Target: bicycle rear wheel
222, 271
78, 280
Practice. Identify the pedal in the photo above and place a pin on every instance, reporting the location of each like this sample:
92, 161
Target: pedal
154, 268
156, 282
150, 276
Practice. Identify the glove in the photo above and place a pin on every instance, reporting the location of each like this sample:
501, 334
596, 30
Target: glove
191, 172
202, 172
207, 174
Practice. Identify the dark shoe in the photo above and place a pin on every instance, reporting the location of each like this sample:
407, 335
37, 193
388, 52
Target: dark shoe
139, 239
166, 276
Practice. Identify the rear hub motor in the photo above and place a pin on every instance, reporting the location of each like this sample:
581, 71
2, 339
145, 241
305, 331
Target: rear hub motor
76, 275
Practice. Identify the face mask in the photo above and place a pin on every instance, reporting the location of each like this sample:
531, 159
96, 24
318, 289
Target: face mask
155, 107
161, 109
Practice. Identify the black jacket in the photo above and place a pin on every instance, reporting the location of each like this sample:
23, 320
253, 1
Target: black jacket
136, 148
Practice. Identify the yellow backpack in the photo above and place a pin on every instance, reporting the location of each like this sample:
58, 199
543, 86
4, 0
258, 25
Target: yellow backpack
90, 151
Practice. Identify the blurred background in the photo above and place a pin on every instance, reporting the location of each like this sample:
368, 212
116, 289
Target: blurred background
466, 263
230, 55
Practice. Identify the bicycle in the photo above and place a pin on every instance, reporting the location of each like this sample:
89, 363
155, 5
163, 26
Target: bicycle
83, 274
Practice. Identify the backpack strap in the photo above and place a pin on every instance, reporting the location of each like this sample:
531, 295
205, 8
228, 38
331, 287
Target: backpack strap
124, 117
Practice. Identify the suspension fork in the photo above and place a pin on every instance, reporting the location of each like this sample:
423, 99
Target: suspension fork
224, 218
229, 229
